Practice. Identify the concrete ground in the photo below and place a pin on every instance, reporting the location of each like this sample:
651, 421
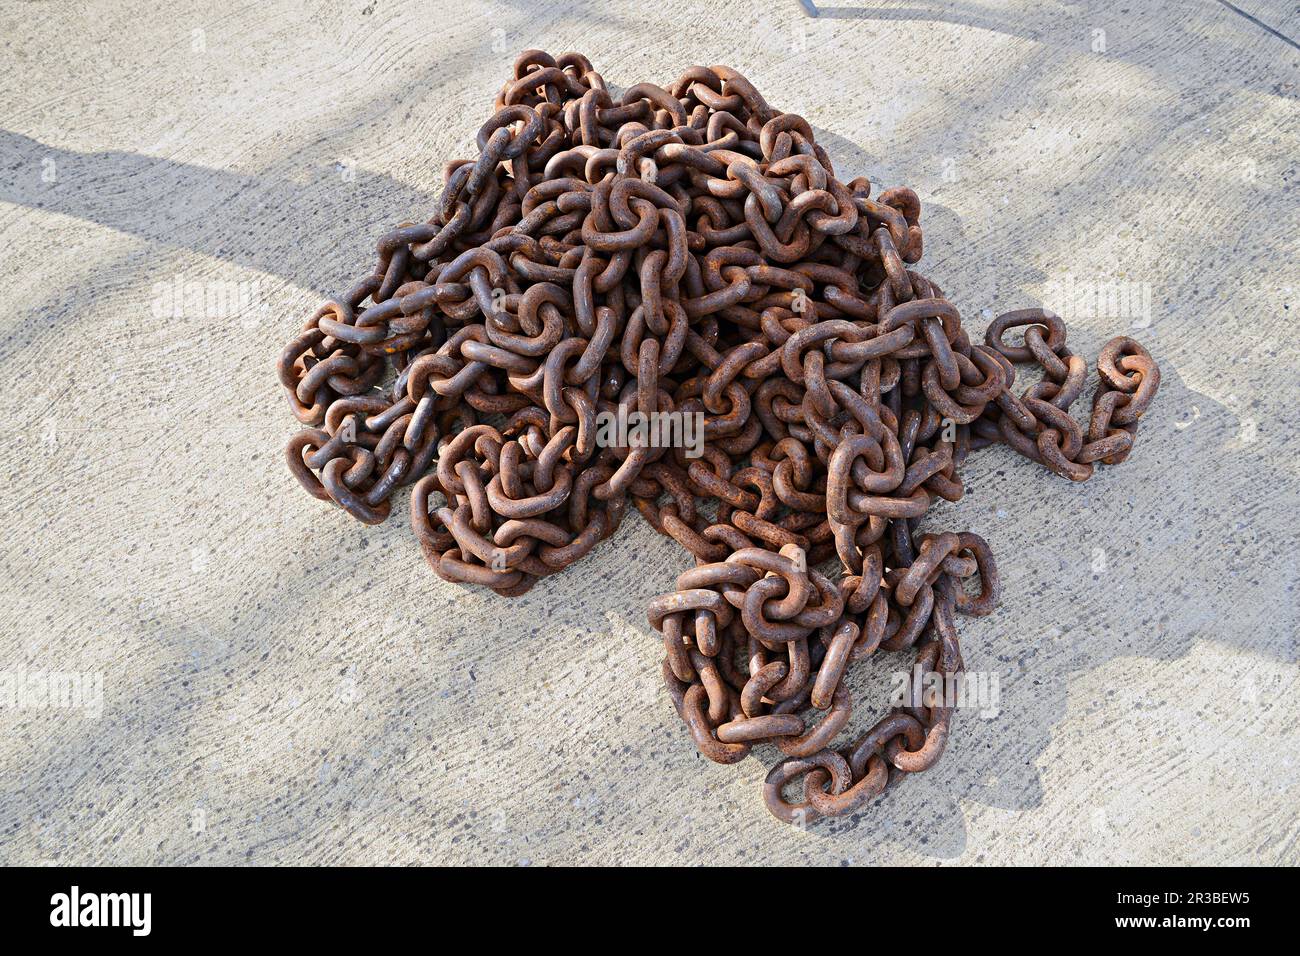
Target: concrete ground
283, 685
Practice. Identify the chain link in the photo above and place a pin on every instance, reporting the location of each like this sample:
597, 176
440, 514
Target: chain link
691, 250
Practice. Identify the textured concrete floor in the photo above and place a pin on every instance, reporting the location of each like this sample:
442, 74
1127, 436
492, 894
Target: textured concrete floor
282, 685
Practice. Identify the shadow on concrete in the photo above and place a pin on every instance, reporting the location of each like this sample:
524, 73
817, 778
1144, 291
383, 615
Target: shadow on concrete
1070, 25
283, 226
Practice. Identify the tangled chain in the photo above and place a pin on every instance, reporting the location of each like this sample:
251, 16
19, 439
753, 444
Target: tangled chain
690, 250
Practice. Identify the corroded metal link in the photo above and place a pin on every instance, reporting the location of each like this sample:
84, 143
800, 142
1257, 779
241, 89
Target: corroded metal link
687, 252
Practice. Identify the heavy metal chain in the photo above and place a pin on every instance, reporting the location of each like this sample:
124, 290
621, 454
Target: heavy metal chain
689, 250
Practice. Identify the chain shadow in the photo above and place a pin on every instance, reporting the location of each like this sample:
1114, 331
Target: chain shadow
995, 761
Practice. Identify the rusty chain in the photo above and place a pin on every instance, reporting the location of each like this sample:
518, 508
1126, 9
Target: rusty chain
690, 250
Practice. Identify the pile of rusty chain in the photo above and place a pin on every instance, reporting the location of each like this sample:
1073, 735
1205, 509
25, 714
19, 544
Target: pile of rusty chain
690, 250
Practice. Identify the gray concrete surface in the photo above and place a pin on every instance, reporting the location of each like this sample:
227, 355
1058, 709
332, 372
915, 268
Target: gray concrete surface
281, 685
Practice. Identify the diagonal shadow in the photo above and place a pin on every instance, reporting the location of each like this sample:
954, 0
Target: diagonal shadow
1067, 27
267, 221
